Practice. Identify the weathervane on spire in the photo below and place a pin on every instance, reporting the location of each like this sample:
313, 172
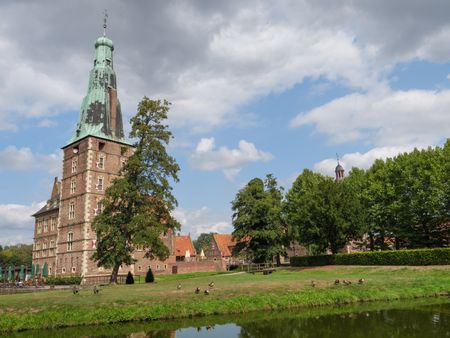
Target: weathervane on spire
105, 18
337, 157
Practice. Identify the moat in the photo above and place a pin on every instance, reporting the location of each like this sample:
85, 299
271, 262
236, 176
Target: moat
421, 318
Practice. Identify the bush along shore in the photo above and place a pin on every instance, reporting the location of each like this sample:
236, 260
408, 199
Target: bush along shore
232, 293
440, 256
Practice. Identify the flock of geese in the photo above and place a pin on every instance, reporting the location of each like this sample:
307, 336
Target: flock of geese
96, 290
338, 282
198, 290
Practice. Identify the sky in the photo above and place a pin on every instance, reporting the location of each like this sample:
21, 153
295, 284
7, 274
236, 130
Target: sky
256, 87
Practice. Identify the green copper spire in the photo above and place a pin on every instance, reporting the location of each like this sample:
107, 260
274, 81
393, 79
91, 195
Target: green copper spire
100, 113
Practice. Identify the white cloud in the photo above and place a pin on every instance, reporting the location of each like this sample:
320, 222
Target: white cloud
23, 159
360, 160
206, 157
16, 223
203, 220
384, 117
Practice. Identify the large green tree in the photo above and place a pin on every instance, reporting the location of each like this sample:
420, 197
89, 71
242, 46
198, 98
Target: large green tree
259, 228
323, 212
137, 206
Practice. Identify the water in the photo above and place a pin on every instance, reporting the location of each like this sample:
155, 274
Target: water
424, 318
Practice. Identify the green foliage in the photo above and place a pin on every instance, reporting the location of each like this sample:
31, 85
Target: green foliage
149, 277
137, 206
130, 278
202, 242
259, 229
16, 255
323, 212
439, 256
63, 280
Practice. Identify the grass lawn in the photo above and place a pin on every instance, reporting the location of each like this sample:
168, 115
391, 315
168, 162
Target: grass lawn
232, 293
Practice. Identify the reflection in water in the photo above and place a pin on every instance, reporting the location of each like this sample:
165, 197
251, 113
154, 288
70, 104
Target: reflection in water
367, 320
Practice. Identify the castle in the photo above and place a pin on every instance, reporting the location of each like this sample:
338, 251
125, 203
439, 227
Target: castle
93, 157
63, 237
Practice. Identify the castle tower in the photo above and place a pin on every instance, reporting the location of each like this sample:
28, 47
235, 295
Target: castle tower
92, 159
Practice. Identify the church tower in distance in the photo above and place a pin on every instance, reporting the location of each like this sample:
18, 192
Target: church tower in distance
92, 159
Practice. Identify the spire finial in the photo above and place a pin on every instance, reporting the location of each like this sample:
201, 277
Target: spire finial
337, 157
105, 18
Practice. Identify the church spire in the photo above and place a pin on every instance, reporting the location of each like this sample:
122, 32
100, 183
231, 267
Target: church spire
100, 113
339, 171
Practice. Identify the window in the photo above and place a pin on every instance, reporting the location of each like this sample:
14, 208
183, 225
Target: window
52, 244
39, 227
53, 224
122, 162
70, 241
63, 270
74, 269
139, 268
38, 246
74, 165
99, 208
101, 146
46, 225
73, 186
100, 183
44, 245
101, 162
72, 210
38, 254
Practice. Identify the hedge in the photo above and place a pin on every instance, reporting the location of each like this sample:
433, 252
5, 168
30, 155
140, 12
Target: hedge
63, 280
439, 256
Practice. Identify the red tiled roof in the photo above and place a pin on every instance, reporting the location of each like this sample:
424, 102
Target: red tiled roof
183, 244
225, 243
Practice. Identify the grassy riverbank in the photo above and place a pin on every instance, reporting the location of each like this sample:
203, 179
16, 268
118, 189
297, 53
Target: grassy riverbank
233, 293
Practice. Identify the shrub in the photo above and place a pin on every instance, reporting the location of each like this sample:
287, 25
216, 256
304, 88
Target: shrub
63, 280
439, 256
130, 279
149, 278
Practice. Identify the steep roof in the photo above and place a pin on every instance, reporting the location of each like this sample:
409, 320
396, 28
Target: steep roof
225, 243
100, 113
184, 244
53, 202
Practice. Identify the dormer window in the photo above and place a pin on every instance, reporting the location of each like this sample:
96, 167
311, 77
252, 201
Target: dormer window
108, 62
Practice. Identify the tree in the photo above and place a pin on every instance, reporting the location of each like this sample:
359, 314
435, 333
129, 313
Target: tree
258, 225
149, 277
202, 242
137, 205
130, 278
323, 212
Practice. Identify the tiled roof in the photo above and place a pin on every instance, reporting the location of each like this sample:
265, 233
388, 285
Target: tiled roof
225, 243
182, 245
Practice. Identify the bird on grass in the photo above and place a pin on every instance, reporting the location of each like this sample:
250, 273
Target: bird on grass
179, 286
206, 292
75, 290
197, 291
336, 282
313, 284
211, 285
346, 282
96, 290
361, 281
